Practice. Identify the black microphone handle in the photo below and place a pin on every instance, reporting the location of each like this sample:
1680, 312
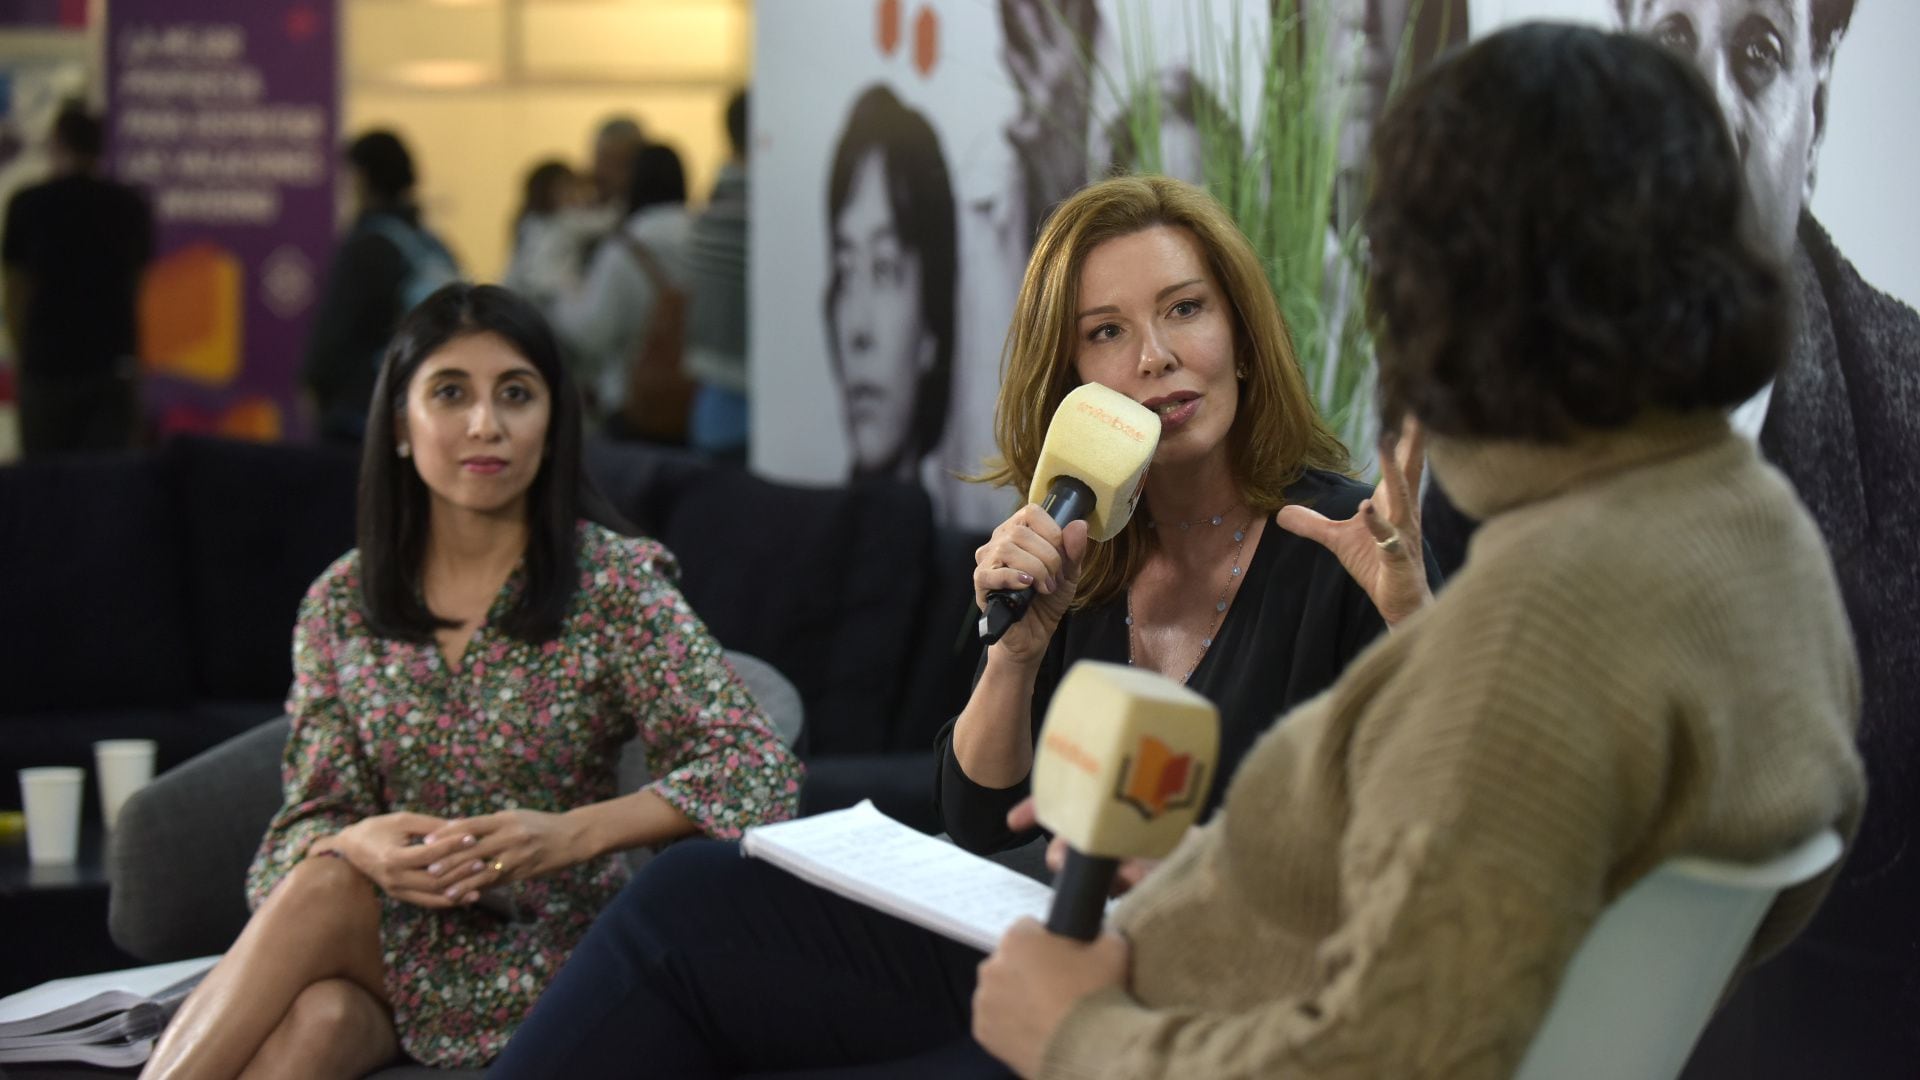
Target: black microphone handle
1068, 499
1080, 896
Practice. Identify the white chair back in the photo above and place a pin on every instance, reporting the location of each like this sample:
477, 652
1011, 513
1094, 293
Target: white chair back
1645, 981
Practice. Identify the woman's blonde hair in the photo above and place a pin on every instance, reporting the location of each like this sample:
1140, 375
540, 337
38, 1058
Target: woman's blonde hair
1276, 435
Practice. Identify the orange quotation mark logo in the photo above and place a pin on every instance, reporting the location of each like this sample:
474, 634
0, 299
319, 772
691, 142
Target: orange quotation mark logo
926, 34
1155, 779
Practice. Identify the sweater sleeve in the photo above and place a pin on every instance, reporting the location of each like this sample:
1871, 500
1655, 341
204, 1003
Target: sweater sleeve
1490, 815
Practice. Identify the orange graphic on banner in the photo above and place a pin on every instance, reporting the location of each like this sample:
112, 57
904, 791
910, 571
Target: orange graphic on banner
926, 41
190, 315
1155, 779
254, 418
889, 26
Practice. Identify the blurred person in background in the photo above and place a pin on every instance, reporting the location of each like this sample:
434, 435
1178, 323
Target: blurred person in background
603, 322
75, 247
716, 356
616, 143
551, 236
388, 264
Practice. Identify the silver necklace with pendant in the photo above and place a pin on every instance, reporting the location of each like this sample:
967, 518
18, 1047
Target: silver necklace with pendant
1219, 605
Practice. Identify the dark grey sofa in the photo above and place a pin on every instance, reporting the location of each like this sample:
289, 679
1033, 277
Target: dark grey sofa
153, 595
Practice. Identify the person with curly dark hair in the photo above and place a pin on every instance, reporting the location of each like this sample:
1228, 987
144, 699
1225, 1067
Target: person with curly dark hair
1839, 421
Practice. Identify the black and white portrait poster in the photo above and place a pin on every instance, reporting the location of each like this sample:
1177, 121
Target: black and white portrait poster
911, 149
904, 152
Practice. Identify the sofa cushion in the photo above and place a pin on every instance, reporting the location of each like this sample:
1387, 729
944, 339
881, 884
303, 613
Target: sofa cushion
644, 482
261, 522
900, 785
91, 596
179, 856
822, 583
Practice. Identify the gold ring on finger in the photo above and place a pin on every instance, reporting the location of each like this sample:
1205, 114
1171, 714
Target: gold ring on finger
499, 867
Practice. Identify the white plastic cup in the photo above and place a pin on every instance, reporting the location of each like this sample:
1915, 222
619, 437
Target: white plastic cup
124, 766
51, 795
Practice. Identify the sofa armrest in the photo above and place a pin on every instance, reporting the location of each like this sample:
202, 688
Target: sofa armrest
178, 856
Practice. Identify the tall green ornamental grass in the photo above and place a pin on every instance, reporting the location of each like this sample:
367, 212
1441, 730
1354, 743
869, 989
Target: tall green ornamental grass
1276, 167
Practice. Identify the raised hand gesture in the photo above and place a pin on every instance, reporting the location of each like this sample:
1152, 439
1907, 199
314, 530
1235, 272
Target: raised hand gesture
1380, 544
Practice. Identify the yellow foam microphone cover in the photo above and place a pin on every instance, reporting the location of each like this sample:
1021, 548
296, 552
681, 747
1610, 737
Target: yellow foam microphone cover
1104, 439
1125, 760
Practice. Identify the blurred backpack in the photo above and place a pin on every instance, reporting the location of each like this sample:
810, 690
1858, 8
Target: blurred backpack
429, 265
659, 396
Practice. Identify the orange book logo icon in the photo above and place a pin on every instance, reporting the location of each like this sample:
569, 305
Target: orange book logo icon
1155, 779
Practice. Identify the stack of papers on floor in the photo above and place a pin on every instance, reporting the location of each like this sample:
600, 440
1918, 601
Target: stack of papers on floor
110, 1019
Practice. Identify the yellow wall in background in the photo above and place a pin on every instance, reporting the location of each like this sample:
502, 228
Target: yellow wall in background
483, 89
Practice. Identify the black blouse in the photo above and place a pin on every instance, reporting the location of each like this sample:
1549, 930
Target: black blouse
1297, 621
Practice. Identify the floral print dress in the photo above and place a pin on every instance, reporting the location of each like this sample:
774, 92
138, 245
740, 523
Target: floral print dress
381, 725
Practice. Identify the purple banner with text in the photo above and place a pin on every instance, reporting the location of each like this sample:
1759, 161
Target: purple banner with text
227, 116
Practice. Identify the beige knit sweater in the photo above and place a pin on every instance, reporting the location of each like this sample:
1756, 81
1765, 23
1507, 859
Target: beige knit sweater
1645, 656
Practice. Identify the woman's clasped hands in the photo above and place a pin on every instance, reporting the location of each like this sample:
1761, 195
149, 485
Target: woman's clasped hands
436, 862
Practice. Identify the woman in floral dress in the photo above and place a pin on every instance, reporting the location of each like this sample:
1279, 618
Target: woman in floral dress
464, 682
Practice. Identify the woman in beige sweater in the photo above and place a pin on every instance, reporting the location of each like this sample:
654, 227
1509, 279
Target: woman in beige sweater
1645, 655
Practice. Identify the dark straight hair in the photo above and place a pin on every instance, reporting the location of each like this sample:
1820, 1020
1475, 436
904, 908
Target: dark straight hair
658, 178
394, 501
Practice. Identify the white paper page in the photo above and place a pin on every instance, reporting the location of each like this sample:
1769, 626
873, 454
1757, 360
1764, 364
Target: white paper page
140, 983
867, 856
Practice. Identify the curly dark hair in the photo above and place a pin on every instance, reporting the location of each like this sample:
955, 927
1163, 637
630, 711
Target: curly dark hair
1560, 238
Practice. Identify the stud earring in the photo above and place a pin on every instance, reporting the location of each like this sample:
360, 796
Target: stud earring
1240, 373
404, 450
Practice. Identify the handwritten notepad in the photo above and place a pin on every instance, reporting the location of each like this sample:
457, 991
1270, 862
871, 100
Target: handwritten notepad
864, 855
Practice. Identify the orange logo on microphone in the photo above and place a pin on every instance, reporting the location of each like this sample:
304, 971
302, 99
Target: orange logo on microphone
1155, 779
1118, 424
